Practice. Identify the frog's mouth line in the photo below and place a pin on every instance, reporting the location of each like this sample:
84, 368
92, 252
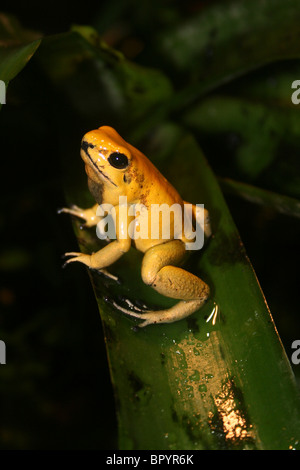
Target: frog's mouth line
85, 147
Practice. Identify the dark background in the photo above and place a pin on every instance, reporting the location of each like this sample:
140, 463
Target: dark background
56, 373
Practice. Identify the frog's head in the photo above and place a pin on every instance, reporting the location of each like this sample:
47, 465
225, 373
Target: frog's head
106, 156
113, 166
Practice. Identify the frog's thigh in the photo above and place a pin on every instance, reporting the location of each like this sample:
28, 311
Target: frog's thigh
158, 271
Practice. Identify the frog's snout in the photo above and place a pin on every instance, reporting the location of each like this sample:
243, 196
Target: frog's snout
86, 145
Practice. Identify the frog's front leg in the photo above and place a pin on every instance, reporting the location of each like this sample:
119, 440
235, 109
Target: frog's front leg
88, 215
102, 258
159, 271
111, 252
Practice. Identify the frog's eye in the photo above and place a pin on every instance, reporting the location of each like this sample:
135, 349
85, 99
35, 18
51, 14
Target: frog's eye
118, 160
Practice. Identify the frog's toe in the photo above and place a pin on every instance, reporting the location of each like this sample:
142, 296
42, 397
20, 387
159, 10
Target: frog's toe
73, 210
64, 210
71, 253
108, 275
76, 256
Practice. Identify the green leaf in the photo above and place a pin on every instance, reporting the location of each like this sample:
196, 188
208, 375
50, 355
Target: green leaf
246, 120
17, 46
227, 40
99, 83
270, 85
198, 383
206, 382
278, 202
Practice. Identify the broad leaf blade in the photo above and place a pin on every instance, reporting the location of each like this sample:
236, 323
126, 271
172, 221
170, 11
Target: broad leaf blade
194, 384
278, 202
219, 43
99, 83
17, 46
238, 120
224, 42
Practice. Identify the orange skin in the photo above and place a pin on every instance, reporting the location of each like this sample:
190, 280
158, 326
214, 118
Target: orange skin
116, 169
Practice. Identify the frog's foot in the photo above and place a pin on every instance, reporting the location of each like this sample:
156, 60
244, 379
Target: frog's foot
74, 211
88, 215
159, 272
77, 256
179, 311
86, 259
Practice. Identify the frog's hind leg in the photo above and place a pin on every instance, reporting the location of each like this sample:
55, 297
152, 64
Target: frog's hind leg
159, 272
179, 311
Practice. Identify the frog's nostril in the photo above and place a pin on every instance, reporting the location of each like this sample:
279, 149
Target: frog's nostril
85, 145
